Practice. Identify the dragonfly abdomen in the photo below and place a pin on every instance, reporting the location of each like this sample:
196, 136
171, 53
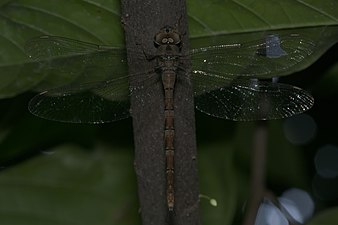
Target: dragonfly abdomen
168, 81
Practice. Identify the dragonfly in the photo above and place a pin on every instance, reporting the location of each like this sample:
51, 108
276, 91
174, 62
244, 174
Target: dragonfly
228, 80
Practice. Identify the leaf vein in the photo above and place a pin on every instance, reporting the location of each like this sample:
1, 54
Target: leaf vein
317, 10
65, 19
251, 11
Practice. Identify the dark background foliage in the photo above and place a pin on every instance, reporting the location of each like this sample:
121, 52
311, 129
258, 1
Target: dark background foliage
55, 173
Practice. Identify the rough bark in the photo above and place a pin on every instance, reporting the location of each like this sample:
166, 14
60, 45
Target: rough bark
142, 19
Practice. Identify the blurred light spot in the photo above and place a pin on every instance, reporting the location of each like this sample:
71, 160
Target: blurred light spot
269, 214
295, 206
298, 204
326, 161
48, 152
300, 129
291, 209
324, 188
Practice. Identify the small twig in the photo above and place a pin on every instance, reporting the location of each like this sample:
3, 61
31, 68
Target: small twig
257, 184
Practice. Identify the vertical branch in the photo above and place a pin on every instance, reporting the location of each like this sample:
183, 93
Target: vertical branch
142, 19
257, 183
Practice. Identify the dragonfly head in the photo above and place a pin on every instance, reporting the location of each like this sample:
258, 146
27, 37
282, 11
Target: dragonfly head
167, 36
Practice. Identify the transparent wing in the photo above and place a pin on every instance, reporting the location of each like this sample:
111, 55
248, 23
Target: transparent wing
44, 47
269, 57
87, 103
246, 100
101, 94
76, 60
96, 102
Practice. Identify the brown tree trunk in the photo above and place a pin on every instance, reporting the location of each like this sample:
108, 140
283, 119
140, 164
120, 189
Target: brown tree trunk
142, 19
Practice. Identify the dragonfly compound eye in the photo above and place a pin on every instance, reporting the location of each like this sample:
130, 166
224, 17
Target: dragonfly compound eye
167, 35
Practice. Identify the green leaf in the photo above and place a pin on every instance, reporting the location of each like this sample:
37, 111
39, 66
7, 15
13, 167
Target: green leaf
234, 16
68, 186
328, 217
22, 20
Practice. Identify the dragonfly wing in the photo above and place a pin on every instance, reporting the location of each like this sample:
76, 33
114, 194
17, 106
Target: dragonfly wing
76, 61
265, 58
245, 100
98, 102
44, 47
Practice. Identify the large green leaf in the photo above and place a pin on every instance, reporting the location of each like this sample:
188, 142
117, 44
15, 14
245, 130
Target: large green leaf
68, 185
23, 19
214, 17
98, 21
